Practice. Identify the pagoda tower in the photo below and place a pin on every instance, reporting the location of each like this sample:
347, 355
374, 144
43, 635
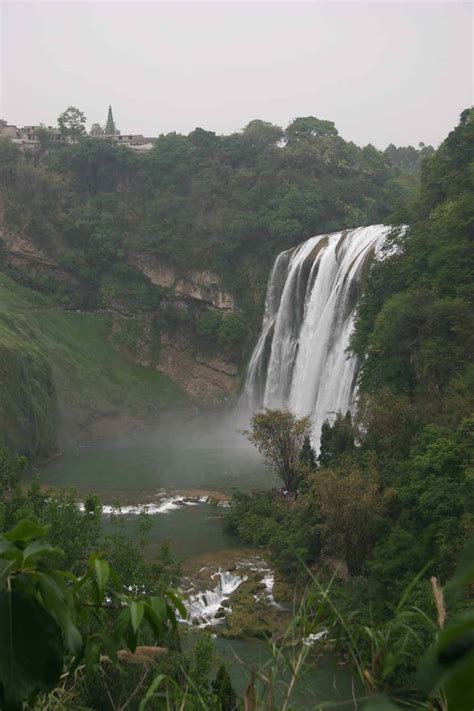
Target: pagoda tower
110, 127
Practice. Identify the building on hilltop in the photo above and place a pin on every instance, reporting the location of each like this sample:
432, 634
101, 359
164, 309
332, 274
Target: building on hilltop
134, 141
27, 136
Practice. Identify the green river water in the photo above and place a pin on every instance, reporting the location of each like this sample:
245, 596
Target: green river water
203, 454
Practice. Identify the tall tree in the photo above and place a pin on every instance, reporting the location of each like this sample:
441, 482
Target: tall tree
307, 454
260, 134
350, 506
110, 127
96, 130
72, 122
307, 127
279, 435
336, 438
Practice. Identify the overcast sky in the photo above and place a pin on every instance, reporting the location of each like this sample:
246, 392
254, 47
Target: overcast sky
383, 72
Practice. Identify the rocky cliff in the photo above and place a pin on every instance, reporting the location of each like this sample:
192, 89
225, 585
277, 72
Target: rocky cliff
202, 286
165, 339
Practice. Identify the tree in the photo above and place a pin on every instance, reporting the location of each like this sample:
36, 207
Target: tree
307, 454
279, 435
72, 122
204, 141
350, 506
307, 127
224, 691
45, 137
231, 333
259, 134
96, 130
110, 127
336, 439
9, 159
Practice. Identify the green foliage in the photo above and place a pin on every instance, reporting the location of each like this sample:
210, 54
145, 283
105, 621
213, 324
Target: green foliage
201, 667
67, 607
37, 339
224, 332
307, 453
11, 469
291, 534
279, 435
336, 439
9, 158
28, 406
414, 336
72, 122
128, 290
224, 691
392, 498
49, 618
231, 333
408, 158
307, 128
201, 201
208, 326
96, 130
351, 506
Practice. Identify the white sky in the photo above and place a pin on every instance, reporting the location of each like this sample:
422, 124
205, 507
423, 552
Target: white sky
383, 72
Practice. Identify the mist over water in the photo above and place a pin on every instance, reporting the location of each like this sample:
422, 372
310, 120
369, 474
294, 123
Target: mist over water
171, 470
184, 453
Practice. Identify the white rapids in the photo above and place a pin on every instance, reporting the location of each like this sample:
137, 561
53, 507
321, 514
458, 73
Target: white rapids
161, 506
202, 607
300, 361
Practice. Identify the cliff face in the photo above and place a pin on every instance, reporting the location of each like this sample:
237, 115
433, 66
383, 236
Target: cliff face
207, 378
164, 340
203, 286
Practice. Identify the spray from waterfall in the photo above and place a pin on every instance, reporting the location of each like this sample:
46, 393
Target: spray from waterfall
301, 360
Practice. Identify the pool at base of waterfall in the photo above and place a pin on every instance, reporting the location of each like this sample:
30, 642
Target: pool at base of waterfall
184, 475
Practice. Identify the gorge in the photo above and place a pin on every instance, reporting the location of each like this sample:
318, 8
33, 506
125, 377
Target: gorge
114, 295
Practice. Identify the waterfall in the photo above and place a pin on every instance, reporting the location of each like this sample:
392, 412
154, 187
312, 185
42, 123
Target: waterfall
203, 606
301, 360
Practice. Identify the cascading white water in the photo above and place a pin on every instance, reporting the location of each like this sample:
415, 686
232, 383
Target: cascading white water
203, 606
300, 360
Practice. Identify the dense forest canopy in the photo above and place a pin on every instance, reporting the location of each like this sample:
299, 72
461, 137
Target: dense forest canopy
228, 203
402, 501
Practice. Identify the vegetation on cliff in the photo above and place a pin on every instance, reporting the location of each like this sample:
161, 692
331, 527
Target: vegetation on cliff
93, 213
397, 508
225, 203
62, 360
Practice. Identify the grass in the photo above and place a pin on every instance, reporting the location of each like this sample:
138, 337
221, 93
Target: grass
88, 373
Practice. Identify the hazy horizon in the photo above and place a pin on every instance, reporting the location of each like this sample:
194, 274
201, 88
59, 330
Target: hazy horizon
383, 72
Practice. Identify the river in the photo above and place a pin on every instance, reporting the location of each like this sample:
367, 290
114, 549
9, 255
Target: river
174, 470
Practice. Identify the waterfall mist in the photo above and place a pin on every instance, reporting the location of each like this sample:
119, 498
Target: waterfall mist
300, 360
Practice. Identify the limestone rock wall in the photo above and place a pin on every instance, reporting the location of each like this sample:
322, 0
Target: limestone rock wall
198, 285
